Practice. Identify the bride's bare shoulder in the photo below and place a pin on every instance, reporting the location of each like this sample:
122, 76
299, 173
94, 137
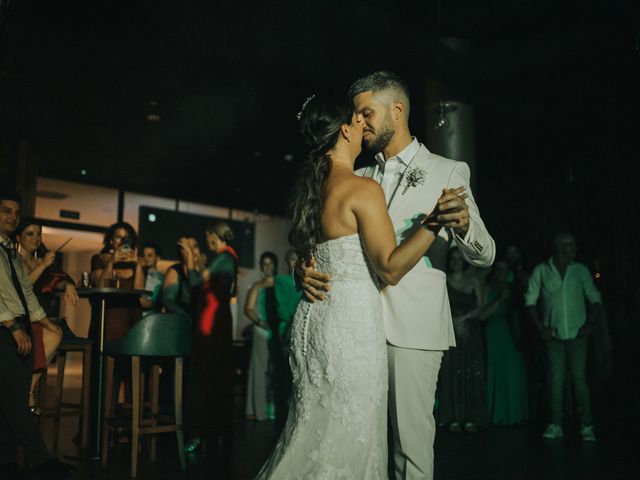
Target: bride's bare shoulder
364, 188
353, 190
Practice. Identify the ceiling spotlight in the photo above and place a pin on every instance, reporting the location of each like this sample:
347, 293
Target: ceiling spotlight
288, 157
152, 217
153, 117
442, 110
83, 172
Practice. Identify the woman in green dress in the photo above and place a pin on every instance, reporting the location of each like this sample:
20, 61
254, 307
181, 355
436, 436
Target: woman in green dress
287, 298
507, 396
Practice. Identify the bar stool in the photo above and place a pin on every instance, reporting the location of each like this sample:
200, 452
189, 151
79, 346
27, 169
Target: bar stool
156, 335
61, 409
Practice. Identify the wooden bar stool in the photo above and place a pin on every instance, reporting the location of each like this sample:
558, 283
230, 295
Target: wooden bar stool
156, 335
61, 409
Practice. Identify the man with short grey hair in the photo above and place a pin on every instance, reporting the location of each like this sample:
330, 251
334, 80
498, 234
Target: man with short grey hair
565, 287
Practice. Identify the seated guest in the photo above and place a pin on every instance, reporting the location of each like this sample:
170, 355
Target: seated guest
152, 278
260, 309
19, 310
45, 279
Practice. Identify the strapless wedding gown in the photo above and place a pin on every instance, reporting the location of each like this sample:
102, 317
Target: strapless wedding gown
337, 423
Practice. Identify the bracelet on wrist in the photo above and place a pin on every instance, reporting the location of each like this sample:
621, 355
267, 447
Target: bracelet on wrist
14, 327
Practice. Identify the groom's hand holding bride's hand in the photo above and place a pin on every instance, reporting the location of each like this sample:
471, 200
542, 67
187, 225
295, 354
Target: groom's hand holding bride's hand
452, 211
312, 281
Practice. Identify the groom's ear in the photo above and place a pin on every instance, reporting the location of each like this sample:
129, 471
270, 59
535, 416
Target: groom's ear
398, 110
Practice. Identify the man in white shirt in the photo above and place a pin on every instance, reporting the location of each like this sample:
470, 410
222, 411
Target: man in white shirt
565, 287
18, 309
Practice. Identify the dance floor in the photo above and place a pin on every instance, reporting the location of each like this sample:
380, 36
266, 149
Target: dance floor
496, 454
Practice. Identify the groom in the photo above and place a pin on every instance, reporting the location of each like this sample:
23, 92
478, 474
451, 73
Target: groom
416, 312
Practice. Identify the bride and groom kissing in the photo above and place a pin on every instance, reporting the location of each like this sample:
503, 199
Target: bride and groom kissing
369, 339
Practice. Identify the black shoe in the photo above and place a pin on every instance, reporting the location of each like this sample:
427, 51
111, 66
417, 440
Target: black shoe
11, 471
52, 469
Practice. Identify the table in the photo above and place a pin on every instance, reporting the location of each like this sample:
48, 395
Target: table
100, 298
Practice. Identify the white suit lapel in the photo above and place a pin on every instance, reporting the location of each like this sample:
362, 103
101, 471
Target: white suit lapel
422, 160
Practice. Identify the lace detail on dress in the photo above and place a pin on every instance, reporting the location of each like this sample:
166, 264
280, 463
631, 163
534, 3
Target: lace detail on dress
337, 425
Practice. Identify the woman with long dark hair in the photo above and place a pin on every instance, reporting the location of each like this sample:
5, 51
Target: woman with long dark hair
337, 424
507, 397
47, 280
117, 265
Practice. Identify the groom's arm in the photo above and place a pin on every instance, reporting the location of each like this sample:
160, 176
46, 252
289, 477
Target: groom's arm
475, 243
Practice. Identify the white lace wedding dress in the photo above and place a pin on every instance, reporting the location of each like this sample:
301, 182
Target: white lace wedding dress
337, 424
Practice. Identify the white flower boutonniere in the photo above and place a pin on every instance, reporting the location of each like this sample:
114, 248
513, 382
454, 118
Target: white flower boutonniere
413, 177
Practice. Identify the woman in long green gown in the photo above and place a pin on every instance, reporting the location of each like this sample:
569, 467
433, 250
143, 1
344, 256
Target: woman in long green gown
507, 397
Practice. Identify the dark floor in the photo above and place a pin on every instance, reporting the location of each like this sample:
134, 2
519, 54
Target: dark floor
497, 454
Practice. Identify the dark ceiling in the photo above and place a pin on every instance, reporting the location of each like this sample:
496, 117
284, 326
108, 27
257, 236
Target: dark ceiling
554, 84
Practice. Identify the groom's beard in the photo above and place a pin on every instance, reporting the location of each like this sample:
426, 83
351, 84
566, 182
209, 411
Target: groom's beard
380, 141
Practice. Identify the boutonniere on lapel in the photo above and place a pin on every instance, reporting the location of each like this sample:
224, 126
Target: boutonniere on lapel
413, 177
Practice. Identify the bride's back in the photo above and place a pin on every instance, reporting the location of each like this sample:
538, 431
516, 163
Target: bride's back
341, 190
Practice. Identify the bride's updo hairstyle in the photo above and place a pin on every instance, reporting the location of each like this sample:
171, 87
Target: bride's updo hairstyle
320, 120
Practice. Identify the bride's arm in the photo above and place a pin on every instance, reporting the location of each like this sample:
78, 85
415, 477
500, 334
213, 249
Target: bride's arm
390, 260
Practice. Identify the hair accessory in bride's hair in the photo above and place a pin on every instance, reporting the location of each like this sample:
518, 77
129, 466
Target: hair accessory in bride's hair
304, 105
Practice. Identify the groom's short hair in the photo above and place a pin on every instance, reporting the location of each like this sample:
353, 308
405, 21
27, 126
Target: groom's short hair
382, 81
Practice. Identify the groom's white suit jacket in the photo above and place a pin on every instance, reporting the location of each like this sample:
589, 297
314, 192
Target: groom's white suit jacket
416, 311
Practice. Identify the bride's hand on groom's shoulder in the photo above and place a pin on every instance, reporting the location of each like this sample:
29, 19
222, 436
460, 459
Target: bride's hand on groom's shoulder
311, 280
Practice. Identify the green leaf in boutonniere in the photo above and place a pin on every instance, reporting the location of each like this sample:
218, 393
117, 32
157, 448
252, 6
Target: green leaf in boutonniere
413, 177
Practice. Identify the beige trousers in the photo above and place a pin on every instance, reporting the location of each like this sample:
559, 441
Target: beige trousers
413, 375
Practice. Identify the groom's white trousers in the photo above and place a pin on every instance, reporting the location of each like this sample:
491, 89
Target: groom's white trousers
413, 375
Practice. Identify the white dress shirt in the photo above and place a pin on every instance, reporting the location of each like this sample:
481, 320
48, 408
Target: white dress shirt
393, 168
563, 298
10, 305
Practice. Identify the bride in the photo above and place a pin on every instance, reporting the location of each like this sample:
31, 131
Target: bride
337, 424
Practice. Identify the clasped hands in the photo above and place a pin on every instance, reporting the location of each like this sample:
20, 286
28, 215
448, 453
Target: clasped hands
451, 211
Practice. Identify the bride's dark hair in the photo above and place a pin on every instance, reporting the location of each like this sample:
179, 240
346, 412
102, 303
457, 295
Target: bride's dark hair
320, 121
